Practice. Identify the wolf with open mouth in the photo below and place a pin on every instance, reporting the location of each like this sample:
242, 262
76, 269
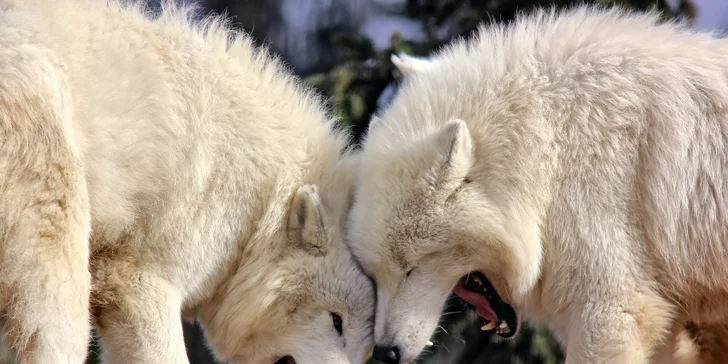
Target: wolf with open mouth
477, 291
570, 168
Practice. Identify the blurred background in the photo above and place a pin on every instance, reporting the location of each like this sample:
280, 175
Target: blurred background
343, 48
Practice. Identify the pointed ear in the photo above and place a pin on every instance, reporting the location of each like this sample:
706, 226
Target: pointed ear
409, 65
306, 222
456, 149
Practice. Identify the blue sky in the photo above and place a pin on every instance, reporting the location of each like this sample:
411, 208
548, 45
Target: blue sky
712, 14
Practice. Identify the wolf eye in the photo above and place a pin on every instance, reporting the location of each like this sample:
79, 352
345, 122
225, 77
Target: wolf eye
336, 319
410, 272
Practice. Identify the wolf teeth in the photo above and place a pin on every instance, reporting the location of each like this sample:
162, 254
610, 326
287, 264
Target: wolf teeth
488, 326
429, 343
503, 325
478, 281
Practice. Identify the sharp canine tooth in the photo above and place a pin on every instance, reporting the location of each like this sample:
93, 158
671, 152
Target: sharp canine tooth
503, 325
429, 343
477, 280
489, 326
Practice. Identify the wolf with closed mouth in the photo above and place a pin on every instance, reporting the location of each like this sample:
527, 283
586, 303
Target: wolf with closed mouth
571, 167
152, 166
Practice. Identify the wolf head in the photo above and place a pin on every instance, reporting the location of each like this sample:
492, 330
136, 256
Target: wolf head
310, 304
427, 220
421, 228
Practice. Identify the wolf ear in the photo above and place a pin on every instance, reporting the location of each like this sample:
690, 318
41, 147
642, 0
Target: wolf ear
409, 65
306, 222
456, 149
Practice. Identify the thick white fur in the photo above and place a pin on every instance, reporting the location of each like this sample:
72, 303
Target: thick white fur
176, 150
578, 159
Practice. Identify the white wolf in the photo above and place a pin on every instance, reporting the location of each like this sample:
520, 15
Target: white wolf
571, 167
153, 167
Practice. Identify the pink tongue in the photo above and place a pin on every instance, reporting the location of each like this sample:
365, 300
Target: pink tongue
479, 301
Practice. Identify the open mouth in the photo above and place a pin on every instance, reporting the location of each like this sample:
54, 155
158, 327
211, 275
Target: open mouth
285, 360
478, 293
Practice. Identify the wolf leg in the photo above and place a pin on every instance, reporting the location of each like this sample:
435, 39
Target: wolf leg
137, 315
622, 329
44, 211
44, 276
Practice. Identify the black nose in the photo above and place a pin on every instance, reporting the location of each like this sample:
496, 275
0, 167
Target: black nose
386, 354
